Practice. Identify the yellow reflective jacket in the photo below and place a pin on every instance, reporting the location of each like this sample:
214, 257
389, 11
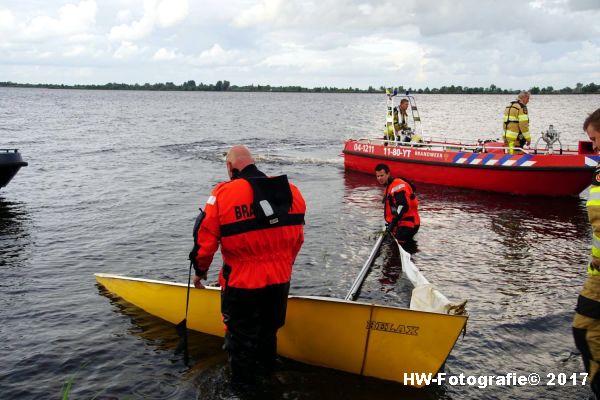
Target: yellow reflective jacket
516, 121
593, 208
397, 125
404, 121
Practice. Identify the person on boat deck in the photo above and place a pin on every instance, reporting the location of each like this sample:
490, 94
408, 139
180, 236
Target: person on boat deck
586, 325
391, 128
403, 123
516, 124
399, 124
400, 204
259, 222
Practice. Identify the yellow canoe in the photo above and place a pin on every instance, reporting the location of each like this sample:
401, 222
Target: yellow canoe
360, 338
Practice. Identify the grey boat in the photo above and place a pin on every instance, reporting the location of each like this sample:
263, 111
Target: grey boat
10, 163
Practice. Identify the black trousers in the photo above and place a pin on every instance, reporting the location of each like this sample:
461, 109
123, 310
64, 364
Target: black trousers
404, 233
252, 317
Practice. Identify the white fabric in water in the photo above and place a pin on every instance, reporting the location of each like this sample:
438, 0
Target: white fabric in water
425, 297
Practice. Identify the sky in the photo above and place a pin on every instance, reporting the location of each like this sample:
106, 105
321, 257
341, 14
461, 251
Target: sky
514, 44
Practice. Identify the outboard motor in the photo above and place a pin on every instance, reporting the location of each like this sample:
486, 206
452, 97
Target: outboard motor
551, 136
406, 134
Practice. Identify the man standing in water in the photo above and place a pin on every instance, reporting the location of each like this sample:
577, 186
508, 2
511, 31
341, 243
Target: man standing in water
516, 123
258, 221
586, 325
400, 204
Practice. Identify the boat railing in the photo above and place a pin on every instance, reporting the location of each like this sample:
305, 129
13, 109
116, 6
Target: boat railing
426, 144
444, 144
9, 150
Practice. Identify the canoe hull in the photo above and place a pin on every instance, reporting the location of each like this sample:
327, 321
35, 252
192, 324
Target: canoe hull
538, 175
360, 338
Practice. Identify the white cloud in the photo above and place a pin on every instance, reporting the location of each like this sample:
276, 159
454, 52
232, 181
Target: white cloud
84, 72
325, 15
171, 12
80, 38
124, 15
216, 55
305, 60
582, 5
163, 54
45, 55
71, 19
403, 57
75, 51
78, 17
365, 8
586, 57
165, 14
126, 50
338, 42
542, 21
7, 21
264, 11
72, 23
137, 29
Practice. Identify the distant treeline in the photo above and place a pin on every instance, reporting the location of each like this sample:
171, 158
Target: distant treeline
225, 86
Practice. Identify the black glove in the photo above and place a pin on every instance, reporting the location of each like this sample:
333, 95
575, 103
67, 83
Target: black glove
390, 227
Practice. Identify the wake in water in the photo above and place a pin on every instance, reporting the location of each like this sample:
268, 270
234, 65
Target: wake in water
289, 151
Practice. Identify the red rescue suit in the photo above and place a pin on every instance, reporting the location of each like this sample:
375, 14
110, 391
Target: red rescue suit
257, 255
402, 205
259, 222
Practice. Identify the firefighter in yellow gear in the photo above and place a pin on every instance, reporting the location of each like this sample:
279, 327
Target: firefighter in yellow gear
586, 325
393, 125
391, 129
516, 123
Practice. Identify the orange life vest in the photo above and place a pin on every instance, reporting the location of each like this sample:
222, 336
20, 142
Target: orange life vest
257, 250
401, 193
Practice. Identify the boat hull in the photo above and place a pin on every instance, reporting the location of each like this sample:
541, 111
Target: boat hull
524, 174
360, 338
10, 163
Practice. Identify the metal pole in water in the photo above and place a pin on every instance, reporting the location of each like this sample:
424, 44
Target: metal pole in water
356, 285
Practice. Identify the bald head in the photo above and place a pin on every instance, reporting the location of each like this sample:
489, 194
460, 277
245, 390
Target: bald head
238, 157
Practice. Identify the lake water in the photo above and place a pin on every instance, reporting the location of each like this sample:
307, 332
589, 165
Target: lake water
114, 183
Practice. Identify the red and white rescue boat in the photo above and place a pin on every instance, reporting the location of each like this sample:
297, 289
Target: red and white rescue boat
482, 166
